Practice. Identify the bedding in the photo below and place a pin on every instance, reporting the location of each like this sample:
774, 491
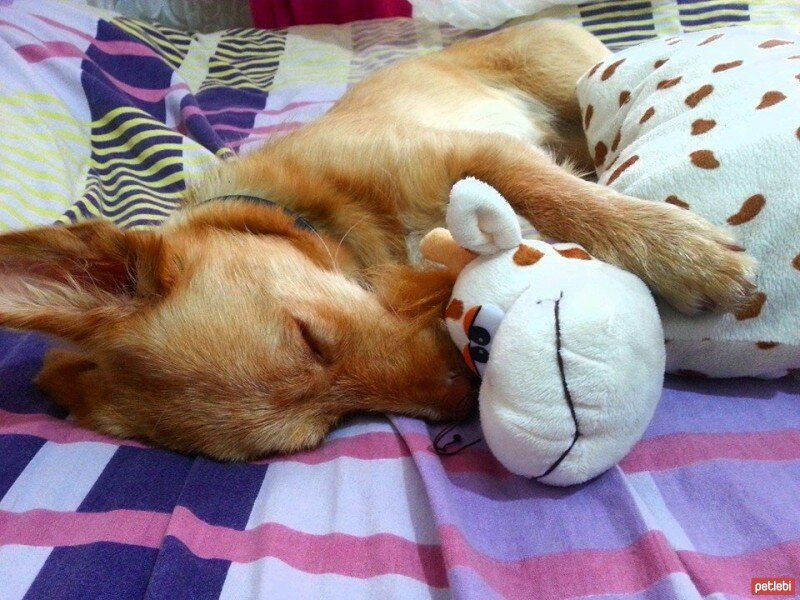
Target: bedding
105, 116
708, 122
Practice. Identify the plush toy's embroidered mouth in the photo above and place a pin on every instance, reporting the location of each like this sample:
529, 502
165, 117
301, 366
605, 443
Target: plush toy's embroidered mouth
564, 386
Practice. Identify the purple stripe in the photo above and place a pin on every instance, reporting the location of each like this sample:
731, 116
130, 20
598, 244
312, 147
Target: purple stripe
139, 479
726, 405
20, 361
734, 507
16, 451
222, 493
179, 574
574, 518
99, 570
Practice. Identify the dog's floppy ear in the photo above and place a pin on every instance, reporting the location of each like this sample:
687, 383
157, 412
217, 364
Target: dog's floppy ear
69, 280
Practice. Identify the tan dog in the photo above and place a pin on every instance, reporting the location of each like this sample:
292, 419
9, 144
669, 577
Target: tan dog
232, 332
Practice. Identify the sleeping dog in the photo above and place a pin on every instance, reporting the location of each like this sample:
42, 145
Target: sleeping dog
279, 298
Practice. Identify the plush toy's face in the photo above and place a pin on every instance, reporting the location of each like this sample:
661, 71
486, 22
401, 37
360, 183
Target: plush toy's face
489, 285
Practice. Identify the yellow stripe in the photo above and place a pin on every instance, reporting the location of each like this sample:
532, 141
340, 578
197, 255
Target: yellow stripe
50, 136
139, 174
39, 156
130, 124
717, 14
32, 174
31, 208
140, 157
112, 190
113, 114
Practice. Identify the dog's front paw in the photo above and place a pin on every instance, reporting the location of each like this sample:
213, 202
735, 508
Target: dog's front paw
696, 266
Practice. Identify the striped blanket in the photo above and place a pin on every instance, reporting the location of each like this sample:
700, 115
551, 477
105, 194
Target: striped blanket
107, 116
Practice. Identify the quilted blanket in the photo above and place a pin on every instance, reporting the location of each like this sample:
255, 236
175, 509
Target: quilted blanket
104, 116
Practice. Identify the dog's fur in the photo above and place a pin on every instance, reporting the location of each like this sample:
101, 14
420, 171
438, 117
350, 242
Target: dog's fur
233, 333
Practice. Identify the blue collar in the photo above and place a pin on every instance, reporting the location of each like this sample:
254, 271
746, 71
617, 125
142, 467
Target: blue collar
299, 221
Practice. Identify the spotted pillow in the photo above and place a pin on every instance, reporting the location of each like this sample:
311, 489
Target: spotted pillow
710, 122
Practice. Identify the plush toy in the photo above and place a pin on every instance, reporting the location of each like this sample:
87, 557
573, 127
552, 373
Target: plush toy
570, 349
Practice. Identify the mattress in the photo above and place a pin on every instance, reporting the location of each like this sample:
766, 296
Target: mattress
107, 116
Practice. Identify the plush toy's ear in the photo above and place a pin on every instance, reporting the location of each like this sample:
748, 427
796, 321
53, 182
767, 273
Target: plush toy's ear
480, 219
439, 246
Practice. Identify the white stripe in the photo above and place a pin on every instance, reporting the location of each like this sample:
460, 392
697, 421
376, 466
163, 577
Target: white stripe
272, 578
655, 512
347, 495
358, 425
19, 566
58, 477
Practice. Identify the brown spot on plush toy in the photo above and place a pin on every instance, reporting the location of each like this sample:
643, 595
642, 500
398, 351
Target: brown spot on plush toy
526, 256
693, 99
675, 201
668, 83
587, 118
704, 159
713, 38
753, 308
454, 310
618, 137
611, 69
727, 66
774, 43
770, 99
578, 253
701, 126
647, 114
619, 170
751, 207
600, 153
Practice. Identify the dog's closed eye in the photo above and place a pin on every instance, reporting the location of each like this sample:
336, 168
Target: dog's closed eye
321, 348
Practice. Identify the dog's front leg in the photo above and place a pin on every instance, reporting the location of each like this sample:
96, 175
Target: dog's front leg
682, 257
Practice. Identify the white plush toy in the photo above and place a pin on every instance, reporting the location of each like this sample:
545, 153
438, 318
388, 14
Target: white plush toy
570, 349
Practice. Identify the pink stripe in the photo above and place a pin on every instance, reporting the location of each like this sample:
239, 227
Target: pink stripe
366, 446
568, 574
340, 553
34, 53
144, 94
124, 48
265, 130
53, 528
624, 571
276, 112
576, 573
55, 430
679, 450
115, 47
731, 574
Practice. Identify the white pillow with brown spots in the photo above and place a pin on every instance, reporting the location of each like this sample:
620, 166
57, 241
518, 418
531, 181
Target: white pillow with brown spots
710, 122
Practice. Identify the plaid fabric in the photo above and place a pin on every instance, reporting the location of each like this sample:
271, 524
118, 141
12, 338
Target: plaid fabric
104, 116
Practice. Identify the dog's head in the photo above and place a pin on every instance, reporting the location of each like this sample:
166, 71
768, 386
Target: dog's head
228, 331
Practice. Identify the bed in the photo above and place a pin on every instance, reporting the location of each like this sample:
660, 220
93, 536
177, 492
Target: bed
109, 116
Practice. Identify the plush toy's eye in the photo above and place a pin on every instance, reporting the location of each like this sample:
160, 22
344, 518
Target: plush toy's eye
479, 335
479, 354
